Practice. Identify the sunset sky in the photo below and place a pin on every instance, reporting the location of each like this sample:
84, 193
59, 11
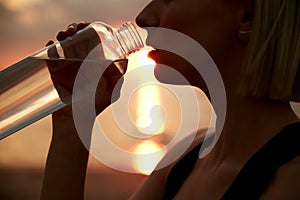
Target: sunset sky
26, 26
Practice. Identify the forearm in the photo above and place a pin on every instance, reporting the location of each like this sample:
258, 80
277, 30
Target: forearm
66, 163
67, 158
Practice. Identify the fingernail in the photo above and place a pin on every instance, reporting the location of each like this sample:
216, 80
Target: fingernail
61, 35
49, 43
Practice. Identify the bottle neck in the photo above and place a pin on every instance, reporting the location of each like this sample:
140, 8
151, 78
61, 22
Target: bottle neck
129, 38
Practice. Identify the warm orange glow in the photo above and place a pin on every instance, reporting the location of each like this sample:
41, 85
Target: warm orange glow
18, 4
144, 60
151, 154
150, 115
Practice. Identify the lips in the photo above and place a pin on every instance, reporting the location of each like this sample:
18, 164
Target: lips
168, 70
163, 57
173, 69
154, 54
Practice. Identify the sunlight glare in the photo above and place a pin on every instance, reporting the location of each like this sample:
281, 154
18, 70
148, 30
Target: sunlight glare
150, 116
151, 153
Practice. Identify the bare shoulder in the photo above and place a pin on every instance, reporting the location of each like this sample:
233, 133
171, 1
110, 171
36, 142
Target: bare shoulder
286, 184
154, 186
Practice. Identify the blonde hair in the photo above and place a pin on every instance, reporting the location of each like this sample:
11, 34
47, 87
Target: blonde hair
271, 68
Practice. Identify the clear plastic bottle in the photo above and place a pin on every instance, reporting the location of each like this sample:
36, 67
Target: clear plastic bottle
27, 93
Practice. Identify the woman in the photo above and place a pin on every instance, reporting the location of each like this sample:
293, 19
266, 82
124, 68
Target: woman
255, 45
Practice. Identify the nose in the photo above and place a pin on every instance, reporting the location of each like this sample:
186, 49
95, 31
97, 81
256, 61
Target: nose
149, 16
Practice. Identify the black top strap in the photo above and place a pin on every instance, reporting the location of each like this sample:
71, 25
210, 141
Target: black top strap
179, 173
257, 173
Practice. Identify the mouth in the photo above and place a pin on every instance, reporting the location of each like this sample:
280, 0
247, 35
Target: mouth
165, 58
170, 68
154, 55
173, 69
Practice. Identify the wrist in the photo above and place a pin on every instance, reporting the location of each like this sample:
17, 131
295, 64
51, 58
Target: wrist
64, 129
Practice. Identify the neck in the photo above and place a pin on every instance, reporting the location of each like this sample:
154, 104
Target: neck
250, 122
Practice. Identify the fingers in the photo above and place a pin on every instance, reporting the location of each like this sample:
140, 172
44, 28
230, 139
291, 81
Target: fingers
52, 52
71, 30
49, 43
61, 36
82, 25
109, 88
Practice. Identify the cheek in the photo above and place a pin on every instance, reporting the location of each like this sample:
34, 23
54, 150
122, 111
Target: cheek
178, 18
209, 24
197, 21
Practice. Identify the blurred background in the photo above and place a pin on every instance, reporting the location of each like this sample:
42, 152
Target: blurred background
26, 26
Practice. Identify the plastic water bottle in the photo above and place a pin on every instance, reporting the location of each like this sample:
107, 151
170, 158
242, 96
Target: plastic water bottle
27, 93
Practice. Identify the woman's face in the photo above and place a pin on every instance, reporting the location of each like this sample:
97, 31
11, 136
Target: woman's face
212, 23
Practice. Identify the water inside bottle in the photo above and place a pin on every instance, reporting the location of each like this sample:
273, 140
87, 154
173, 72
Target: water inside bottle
27, 93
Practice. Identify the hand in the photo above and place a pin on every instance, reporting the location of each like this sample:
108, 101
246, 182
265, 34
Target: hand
67, 158
77, 45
